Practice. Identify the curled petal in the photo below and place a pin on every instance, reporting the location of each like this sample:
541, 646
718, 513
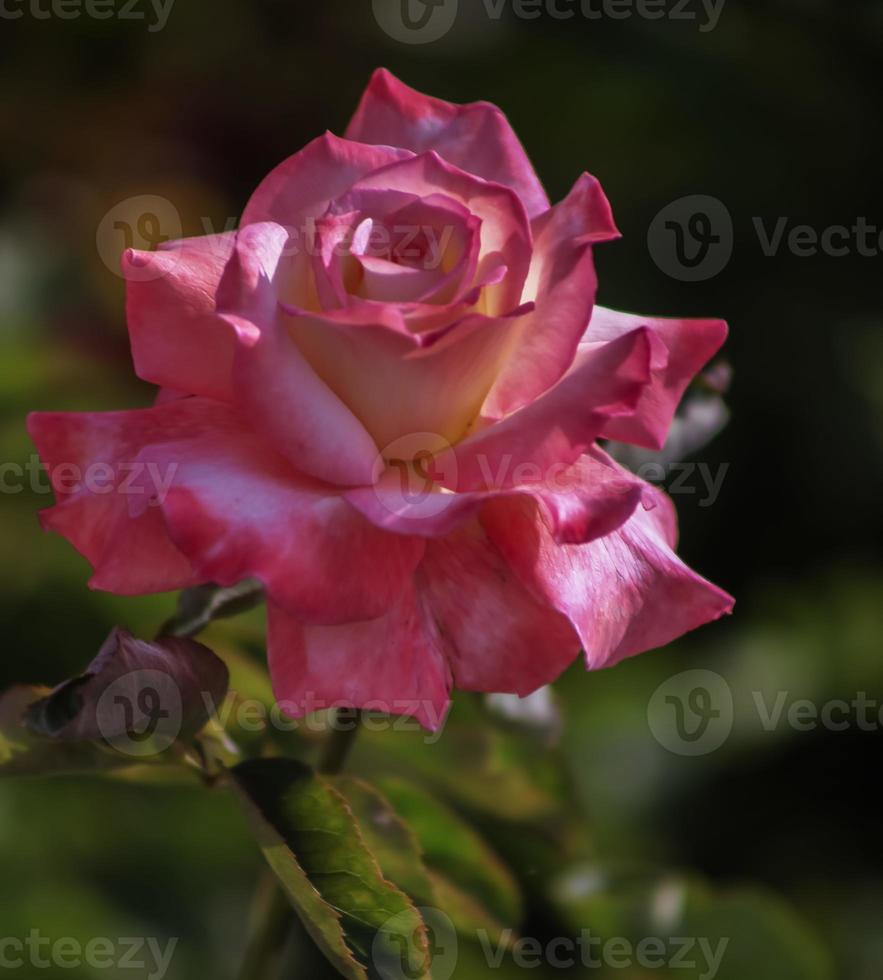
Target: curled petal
302, 186
505, 230
475, 137
578, 503
562, 283
605, 381
681, 350
178, 340
625, 593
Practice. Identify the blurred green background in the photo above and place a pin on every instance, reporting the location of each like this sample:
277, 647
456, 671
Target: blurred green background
777, 113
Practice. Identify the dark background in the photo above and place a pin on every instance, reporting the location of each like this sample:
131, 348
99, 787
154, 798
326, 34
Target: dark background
777, 113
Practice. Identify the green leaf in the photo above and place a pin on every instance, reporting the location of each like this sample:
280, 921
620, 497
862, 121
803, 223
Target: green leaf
388, 838
733, 934
474, 887
197, 607
486, 770
364, 924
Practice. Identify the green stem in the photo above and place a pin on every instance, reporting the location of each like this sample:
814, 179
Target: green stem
268, 930
345, 727
271, 917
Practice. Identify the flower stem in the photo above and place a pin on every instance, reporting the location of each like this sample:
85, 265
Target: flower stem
270, 923
345, 724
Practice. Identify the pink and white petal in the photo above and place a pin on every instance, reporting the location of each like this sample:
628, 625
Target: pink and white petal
563, 283
606, 380
434, 234
103, 508
395, 383
496, 635
589, 499
392, 664
178, 341
684, 347
299, 414
475, 137
624, 593
586, 500
238, 510
89, 452
402, 502
504, 223
275, 387
302, 186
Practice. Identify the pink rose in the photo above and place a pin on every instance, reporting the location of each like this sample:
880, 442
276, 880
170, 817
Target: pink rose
382, 397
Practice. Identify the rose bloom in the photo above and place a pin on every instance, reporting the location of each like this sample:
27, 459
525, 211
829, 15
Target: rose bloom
382, 397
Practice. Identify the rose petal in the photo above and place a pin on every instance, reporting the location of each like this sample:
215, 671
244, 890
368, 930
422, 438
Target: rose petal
275, 386
397, 384
563, 283
586, 500
496, 636
504, 226
301, 186
433, 235
102, 509
685, 348
606, 380
238, 511
391, 664
475, 137
177, 339
624, 593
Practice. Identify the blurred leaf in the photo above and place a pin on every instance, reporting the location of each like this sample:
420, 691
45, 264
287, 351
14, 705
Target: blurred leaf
768, 940
23, 753
197, 607
500, 773
733, 934
474, 887
139, 697
312, 842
